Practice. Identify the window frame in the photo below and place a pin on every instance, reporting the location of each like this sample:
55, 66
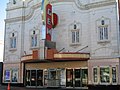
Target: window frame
102, 29
13, 39
103, 22
104, 75
34, 35
76, 38
115, 75
95, 75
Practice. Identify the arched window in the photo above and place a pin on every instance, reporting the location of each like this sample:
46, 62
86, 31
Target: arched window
75, 34
103, 29
14, 1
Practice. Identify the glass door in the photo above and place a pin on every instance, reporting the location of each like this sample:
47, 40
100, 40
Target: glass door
69, 78
84, 77
33, 77
39, 77
27, 77
77, 79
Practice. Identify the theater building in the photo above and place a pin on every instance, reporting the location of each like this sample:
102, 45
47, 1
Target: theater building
83, 49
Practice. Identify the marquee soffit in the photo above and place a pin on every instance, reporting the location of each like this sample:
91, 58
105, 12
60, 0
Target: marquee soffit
77, 2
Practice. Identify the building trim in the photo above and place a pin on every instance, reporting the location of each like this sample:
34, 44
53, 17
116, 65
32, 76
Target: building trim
78, 4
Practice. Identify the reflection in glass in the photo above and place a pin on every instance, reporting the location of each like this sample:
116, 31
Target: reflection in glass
114, 74
104, 75
95, 74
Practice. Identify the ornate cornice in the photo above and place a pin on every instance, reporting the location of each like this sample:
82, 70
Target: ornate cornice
27, 17
77, 2
57, 1
94, 5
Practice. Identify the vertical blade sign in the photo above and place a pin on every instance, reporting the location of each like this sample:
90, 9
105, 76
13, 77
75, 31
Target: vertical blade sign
48, 21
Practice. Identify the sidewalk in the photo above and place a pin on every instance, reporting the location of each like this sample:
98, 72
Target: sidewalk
2, 87
22, 88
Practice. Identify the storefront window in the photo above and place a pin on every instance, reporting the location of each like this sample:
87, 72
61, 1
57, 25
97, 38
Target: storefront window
52, 75
63, 77
114, 74
84, 77
104, 75
95, 75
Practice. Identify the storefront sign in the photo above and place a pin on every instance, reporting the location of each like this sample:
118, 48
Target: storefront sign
55, 20
71, 56
28, 57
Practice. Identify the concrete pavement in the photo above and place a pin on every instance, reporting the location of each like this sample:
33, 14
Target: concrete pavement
3, 87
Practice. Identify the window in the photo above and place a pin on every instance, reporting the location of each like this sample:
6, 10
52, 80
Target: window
103, 31
95, 75
14, 1
13, 41
75, 26
52, 74
75, 36
104, 75
34, 39
114, 75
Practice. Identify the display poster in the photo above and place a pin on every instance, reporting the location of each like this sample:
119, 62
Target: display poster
14, 76
63, 77
7, 75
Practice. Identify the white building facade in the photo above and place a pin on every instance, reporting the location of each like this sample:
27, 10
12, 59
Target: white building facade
86, 37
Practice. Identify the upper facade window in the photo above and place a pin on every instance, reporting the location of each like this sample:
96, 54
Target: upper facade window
74, 34
13, 40
103, 30
14, 1
34, 38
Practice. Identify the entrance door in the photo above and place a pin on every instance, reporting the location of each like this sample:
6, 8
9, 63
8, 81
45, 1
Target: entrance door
69, 78
77, 73
76, 77
34, 78
39, 77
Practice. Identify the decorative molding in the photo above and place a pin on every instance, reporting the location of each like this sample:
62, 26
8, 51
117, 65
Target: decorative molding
77, 2
27, 17
94, 5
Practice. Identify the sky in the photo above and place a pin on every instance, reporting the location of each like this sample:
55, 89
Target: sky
3, 4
